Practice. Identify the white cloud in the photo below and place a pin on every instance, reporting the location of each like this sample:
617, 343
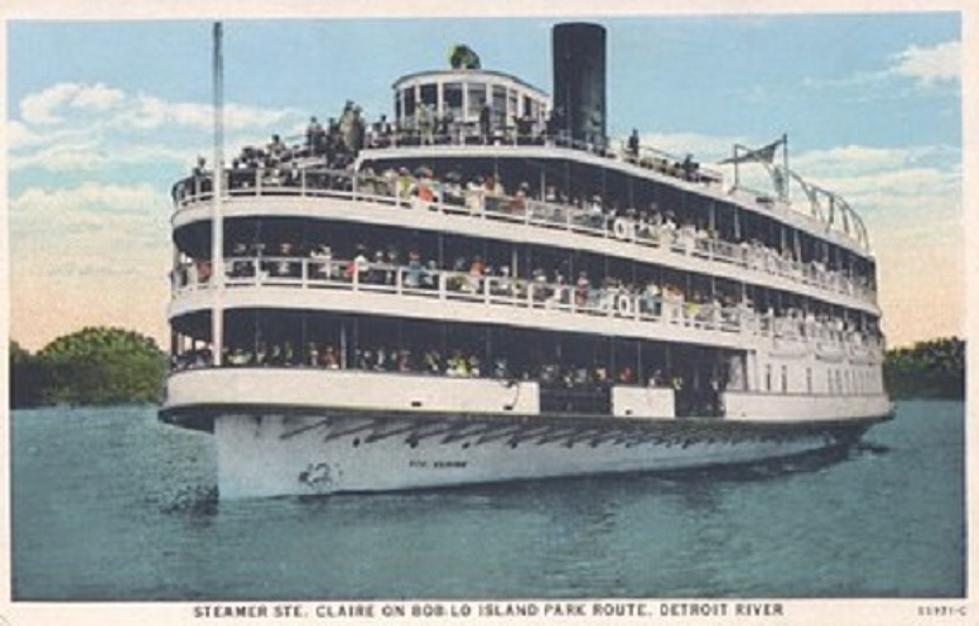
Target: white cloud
61, 102
929, 65
87, 203
90, 155
69, 226
86, 127
46, 106
19, 135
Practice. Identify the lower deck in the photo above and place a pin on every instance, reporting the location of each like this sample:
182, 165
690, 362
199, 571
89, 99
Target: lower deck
196, 396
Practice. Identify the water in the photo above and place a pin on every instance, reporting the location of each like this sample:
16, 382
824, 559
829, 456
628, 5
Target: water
110, 505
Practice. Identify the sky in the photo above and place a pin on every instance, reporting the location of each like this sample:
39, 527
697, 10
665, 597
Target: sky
104, 116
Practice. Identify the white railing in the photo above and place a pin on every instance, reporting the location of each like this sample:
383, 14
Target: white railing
470, 134
480, 204
416, 280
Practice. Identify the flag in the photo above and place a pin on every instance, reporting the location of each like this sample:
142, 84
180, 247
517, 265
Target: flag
765, 154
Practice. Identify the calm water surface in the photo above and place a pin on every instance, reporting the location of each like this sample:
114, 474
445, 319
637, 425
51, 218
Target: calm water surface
109, 504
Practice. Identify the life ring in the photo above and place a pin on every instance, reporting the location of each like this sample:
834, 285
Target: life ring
623, 303
620, 228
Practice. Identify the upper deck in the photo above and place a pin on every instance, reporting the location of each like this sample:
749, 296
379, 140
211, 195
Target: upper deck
840, 225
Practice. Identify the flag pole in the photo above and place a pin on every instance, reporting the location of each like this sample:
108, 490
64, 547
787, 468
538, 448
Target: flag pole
785, 166
217, 215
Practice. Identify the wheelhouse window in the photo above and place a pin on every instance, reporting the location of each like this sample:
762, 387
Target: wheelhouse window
477, 98
409, 102
499, 105
429, 95
452, 99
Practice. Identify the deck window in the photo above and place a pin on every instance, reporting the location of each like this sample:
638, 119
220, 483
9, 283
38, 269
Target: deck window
499, 105
429, 95
768, 378
477, 98
785, 379
409, 102
452, 99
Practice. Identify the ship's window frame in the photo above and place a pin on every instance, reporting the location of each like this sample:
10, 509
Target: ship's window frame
426, 91
809, 380
498, 103
768, 377
451, 91
785, 379
476, 92
410, 102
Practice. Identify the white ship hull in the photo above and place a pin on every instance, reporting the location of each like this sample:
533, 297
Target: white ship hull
265, 453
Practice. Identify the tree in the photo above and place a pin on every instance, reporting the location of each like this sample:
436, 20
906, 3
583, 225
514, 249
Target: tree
27, 377
933, 369
98, 365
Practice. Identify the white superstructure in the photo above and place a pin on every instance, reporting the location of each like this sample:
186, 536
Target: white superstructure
475, 292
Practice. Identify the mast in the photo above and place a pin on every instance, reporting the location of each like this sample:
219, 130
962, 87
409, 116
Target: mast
217, 217
785, 167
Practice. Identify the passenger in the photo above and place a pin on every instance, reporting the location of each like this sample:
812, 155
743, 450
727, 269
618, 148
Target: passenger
485, 116
633, 148
276, 148
413, 274
474, 195
518, 203
452, 190
406, 183
360, 265
314, 136
404, 361
425, 188
476, 272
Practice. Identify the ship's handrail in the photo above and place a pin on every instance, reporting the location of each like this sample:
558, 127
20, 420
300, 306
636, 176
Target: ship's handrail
360, 275
469, 134
305, 182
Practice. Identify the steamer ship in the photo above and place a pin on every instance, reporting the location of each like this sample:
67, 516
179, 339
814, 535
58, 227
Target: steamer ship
487, 288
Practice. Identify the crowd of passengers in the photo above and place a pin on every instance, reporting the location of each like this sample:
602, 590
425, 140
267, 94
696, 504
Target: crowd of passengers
337, 144
451, 363
480, 193
550, 289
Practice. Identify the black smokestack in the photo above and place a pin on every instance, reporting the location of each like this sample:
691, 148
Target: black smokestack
579, 80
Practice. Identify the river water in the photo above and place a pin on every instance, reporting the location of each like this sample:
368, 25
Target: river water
108, 504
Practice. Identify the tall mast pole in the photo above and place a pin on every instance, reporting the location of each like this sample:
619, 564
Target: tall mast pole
217, 216
785, 166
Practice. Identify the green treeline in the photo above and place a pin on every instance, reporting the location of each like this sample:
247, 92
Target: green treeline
91, 366
929, 369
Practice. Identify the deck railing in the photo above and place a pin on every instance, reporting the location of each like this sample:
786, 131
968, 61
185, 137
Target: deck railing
478, 204
419, 281
470, 134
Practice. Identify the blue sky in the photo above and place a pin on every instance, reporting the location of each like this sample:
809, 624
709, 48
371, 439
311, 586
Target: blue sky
103, 116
